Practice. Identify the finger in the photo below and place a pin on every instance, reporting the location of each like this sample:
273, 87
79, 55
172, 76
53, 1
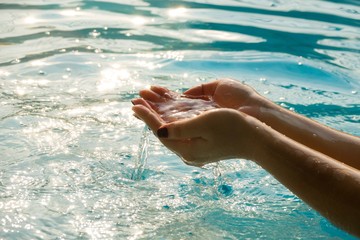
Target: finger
164, 92
149, 116
149, 95
203, 89
140, 101
159, 90
148, 104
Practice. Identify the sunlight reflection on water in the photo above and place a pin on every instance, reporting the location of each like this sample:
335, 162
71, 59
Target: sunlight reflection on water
69, 142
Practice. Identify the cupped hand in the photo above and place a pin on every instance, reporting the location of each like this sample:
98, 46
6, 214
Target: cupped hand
229, 93
225, 93
172, 106
212, 136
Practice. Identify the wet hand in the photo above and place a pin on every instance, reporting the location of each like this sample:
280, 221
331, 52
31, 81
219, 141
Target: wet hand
172, 106
230, 93
212, 136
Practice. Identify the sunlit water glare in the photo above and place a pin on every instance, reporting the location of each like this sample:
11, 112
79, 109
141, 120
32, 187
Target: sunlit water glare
73, 155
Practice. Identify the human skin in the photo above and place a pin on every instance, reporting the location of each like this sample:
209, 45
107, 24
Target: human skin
329, 184
321, 138
229, 93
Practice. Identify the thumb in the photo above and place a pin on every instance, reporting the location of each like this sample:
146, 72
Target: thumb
183, 129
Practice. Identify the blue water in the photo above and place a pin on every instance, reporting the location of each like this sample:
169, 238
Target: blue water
71, 164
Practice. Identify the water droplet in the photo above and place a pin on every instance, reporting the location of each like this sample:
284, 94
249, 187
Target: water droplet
352, 11
300, 63
354, 92
16, 60
94, 33
225, 189
195, 172
333, 28
41, 72
97, 50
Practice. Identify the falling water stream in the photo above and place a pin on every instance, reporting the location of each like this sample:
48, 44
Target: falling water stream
76, 164
142, 155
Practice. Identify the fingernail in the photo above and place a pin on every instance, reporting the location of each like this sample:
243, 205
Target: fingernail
162, 132
132, 101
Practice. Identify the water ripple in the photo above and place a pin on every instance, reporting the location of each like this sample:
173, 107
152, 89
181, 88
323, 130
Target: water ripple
69, 142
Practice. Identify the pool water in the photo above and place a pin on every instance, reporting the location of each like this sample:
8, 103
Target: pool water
76, 164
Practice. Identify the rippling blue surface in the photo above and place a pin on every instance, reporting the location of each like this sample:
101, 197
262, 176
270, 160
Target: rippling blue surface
69, 143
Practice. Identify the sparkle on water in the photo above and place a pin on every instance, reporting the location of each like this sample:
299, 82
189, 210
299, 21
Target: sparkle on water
75, 163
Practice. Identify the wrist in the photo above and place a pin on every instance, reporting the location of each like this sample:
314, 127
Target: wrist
256, 138
255, 105
268, 144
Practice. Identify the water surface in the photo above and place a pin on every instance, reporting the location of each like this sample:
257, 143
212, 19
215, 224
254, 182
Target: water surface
70, 145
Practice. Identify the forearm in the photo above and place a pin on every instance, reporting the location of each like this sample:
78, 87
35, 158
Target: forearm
335, 144
330, 187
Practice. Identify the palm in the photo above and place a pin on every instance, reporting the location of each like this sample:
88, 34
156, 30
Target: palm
226, 93
172, 106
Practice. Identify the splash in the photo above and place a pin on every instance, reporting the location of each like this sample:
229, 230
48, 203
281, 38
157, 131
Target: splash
178, 108
142, 155
222, 188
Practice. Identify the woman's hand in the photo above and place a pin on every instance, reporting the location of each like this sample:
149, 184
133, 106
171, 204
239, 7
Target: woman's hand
228, 93
209, 137
172, 106
320, 165
224, 93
